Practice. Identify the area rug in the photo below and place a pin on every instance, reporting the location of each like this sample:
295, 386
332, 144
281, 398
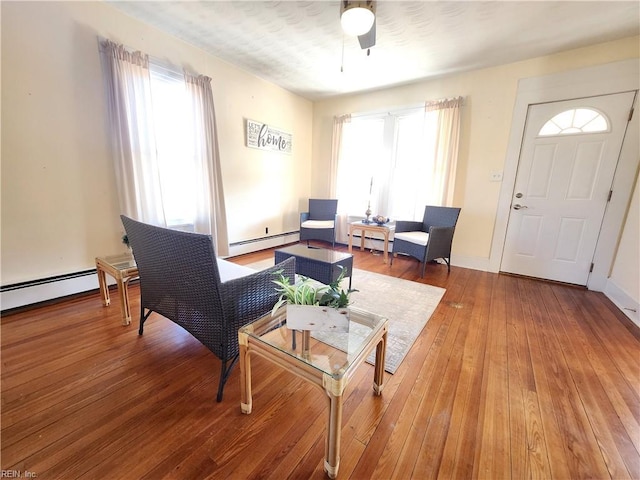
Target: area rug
408, 306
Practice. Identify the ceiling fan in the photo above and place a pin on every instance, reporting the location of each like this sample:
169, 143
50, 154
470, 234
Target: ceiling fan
358, 19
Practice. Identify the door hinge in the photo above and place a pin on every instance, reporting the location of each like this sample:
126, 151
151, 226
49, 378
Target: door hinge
631, 114
610, 195
591, 268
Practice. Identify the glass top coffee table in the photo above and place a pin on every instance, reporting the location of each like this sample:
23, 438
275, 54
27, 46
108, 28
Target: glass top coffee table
320, 264
329, 367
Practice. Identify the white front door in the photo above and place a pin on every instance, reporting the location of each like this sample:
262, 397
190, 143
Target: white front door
568, 158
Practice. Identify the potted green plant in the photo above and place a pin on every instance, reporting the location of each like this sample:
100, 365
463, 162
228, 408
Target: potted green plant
313, 306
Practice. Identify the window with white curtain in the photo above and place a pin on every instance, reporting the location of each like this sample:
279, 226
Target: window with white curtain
175, 145
387, 160
165, 146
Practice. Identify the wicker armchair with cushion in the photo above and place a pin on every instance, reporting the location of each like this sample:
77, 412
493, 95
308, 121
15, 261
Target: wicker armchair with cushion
319, 223
182, 279
429, 239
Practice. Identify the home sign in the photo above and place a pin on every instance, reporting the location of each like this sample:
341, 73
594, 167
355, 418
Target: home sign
264, 137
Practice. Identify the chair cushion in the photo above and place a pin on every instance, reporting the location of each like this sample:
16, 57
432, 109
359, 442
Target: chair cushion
419, 238
317, 224
229, 270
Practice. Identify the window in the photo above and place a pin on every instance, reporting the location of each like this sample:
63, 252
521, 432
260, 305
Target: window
362, 146
575, 121
165, 147
175, 147
413, 166
390, 160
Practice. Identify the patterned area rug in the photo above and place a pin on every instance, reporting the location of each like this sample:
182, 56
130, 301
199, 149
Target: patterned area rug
408, 306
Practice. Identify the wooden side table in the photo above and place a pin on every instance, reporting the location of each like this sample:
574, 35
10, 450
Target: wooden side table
371, 227
122, 268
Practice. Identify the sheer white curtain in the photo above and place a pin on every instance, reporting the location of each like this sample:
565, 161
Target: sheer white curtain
410, 176
134, 142
336, 149
166, 150
446, 144
210, 206
361, 173
410, 155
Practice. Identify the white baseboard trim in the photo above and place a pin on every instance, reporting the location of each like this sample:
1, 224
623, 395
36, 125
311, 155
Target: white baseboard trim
623, 301
473, 263
251, 246
49, 289
30, 294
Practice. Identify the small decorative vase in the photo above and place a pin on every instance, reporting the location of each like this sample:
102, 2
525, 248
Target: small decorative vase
367, 213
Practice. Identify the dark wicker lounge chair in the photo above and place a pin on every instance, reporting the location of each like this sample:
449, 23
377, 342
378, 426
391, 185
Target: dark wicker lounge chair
319, 223
182, 279
429, 239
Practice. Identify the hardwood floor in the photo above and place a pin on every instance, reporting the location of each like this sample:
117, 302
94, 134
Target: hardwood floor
512, 378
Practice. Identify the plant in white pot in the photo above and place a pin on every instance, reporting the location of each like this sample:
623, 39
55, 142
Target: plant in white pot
313, 306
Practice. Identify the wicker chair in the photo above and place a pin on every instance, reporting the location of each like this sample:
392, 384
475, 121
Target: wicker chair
429, 239
180, 279
319, 223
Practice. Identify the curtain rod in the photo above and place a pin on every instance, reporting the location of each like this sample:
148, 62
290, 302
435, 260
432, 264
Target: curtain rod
163, 63
388, 111
409, 108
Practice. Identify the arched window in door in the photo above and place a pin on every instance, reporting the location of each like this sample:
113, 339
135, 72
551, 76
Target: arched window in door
575, 121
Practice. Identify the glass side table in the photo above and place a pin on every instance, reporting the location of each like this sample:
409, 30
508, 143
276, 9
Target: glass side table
329, 367
122, 268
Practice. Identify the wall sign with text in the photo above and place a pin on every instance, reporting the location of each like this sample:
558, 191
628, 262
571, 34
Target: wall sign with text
264, 137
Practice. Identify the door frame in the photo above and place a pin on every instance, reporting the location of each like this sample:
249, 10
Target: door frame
605, 79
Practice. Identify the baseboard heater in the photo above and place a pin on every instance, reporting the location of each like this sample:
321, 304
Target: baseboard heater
262, 239
33, 292
41, 290
263, 243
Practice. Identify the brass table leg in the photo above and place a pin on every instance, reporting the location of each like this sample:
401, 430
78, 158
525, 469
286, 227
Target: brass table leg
332, 445
385, 254
378, 374
335, 389
104, 288
124, 300
245, 374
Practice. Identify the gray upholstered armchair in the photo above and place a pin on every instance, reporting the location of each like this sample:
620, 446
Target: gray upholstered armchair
429, 239
182, 279
319, 223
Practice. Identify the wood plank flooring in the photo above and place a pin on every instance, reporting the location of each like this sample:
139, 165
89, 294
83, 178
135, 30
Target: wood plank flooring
512, 378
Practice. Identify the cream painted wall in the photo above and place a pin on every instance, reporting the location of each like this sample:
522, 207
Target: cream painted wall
59, 201
626, 271
490, 95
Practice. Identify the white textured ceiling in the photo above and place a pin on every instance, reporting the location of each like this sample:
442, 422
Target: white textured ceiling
299, 44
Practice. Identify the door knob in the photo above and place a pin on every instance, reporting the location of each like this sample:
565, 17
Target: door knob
518, 195
517, 206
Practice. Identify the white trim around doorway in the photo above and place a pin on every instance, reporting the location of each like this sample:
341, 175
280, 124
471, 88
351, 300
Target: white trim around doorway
605, 79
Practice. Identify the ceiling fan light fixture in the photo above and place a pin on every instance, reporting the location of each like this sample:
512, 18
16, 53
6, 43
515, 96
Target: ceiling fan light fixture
357, 17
